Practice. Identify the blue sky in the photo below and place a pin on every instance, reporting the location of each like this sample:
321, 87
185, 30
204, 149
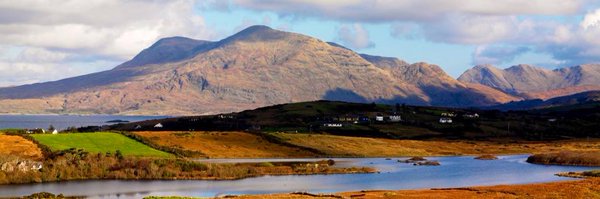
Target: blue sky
45, 41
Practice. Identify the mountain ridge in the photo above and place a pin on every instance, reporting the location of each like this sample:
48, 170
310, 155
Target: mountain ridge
255, 67
527, 80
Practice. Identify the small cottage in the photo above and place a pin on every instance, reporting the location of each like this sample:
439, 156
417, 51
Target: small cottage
159, 125
379, 118
55, 132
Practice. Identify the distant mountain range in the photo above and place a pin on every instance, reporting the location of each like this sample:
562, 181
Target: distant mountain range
532, 82
260, 66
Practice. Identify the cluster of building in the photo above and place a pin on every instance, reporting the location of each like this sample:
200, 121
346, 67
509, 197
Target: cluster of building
446, 118
40, 131
339, 121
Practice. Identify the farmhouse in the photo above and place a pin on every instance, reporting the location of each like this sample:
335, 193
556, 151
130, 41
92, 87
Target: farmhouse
159, 125
379, 118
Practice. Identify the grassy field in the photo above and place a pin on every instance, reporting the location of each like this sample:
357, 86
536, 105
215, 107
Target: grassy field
100, 142
18, 146
589, 188
356, 146
246, 145
224, 144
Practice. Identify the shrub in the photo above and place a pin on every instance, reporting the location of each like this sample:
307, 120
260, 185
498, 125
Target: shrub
567, 158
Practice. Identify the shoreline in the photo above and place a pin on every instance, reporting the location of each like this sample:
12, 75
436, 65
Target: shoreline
571, 188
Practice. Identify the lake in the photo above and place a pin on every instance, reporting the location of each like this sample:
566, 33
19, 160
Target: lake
454, 172
64, 121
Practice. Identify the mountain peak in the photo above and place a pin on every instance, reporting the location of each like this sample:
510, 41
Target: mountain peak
484, 66
524, 67
258, 33
164, 50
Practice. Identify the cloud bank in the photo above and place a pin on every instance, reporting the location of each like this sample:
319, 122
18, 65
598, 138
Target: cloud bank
53, 39
508, 23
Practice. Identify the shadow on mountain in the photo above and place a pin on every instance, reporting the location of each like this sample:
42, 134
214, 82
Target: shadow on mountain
439, 96
456, 97
345, 95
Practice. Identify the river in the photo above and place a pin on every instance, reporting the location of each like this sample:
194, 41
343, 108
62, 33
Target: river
456, 171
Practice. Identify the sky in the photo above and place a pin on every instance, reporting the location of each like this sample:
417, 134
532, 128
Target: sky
55, 39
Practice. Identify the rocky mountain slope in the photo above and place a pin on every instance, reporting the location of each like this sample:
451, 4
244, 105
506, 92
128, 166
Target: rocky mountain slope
256, 67
535, 82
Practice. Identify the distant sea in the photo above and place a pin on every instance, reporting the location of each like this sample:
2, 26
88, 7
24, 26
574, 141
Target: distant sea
64, 121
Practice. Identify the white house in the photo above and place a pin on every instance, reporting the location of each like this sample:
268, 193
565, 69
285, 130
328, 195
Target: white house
159, 125
55, 132
379, 118
395, 118
445, 120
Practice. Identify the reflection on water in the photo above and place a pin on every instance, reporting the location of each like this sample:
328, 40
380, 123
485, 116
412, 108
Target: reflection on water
454, 172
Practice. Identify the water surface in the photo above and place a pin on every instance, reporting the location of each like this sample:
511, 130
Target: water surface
64, 121
454, 172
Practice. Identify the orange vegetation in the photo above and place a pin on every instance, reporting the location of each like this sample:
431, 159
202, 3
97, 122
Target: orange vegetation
18, 146
588, 188
224, 144
369, 147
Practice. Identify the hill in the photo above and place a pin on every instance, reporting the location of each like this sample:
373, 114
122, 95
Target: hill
256, 67
416, 122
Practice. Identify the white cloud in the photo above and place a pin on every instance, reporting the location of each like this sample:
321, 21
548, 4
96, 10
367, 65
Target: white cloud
66, 35
471, 29
407, 10
591, 20
354, 36
41, 55
488, 23
112, 28
497, 54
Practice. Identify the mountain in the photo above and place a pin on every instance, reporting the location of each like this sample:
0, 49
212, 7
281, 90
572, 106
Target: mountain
535, 82
579, 99
256, 67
